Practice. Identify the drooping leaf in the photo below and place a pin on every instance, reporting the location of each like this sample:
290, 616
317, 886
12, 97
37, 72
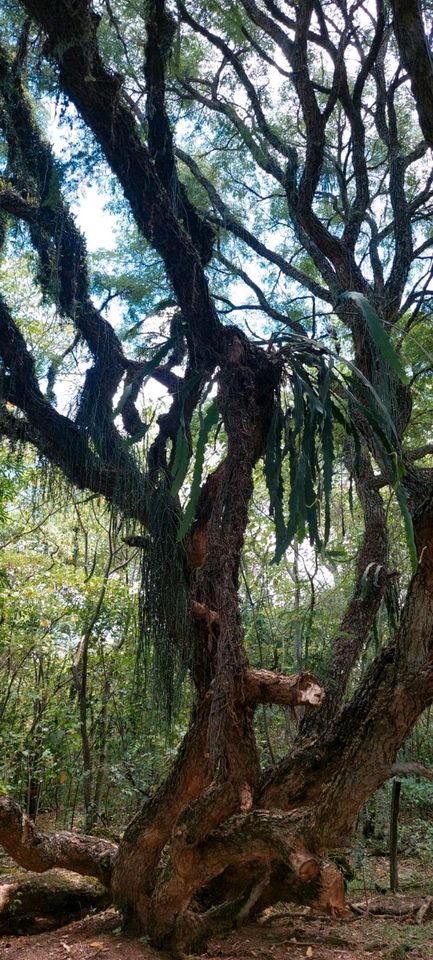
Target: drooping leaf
374, 400
136, 437
182, 452
209, 420
181, 461
378, 333
328, 463
124, 397
144, 371
388, 453
273, 477
311, 499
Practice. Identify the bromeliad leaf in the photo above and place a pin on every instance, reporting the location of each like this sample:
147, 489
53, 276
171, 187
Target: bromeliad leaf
209, 420
378, 333
136, 437
274, 480
181, 461
182, 450
143, 371
124, 397
328, 462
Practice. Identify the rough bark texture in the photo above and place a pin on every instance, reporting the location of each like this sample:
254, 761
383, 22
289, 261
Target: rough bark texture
39, 851
220, 839
55, 898
417, 59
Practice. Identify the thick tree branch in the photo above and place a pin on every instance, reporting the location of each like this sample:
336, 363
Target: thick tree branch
265, 686
410, 768
55, 897
72, 36
417, 59
161, 28
58, 437
62, 251
256, 838
39, 851
403, 255
371, 580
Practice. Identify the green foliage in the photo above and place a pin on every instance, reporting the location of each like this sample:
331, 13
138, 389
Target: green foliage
55, 555
182, 450
143, 373
416, 839
378, 334
207, 422
317, 383
57, 544
180, 461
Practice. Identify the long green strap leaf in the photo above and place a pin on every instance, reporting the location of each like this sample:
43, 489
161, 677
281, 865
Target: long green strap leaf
144, 371
209, 420
273, 477
182, 449
378, 333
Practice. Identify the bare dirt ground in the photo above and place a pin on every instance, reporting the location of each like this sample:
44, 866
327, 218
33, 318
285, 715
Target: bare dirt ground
288, 938
285, 933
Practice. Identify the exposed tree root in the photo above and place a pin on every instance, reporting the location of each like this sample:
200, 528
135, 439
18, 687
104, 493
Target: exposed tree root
54, 898
401, 907
254, 839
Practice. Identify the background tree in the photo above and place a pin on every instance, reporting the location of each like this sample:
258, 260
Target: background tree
303, 177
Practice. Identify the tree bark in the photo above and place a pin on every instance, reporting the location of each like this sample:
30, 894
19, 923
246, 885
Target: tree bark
417, 59
55, 899
219, 838
39, 851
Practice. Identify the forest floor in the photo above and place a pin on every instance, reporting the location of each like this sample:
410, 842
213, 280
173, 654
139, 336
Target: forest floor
382, 925
292, 937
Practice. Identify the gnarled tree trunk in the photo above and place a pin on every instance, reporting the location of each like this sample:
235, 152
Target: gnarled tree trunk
221, 838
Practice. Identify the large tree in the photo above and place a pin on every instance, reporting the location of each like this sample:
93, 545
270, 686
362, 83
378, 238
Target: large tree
268, 153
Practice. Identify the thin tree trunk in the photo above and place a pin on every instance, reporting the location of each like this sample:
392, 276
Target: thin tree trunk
80, 674
102, 751
393, 836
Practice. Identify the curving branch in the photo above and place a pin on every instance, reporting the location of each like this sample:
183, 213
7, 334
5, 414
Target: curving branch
71, 31
39, 851
57, 436
229, 222
267, 307
61, 249
161, 28
257, 147
403, 254
371, 580
268, 133
256, 838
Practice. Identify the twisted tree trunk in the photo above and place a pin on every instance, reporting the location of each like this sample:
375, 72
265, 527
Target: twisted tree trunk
220, 838
231, 848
